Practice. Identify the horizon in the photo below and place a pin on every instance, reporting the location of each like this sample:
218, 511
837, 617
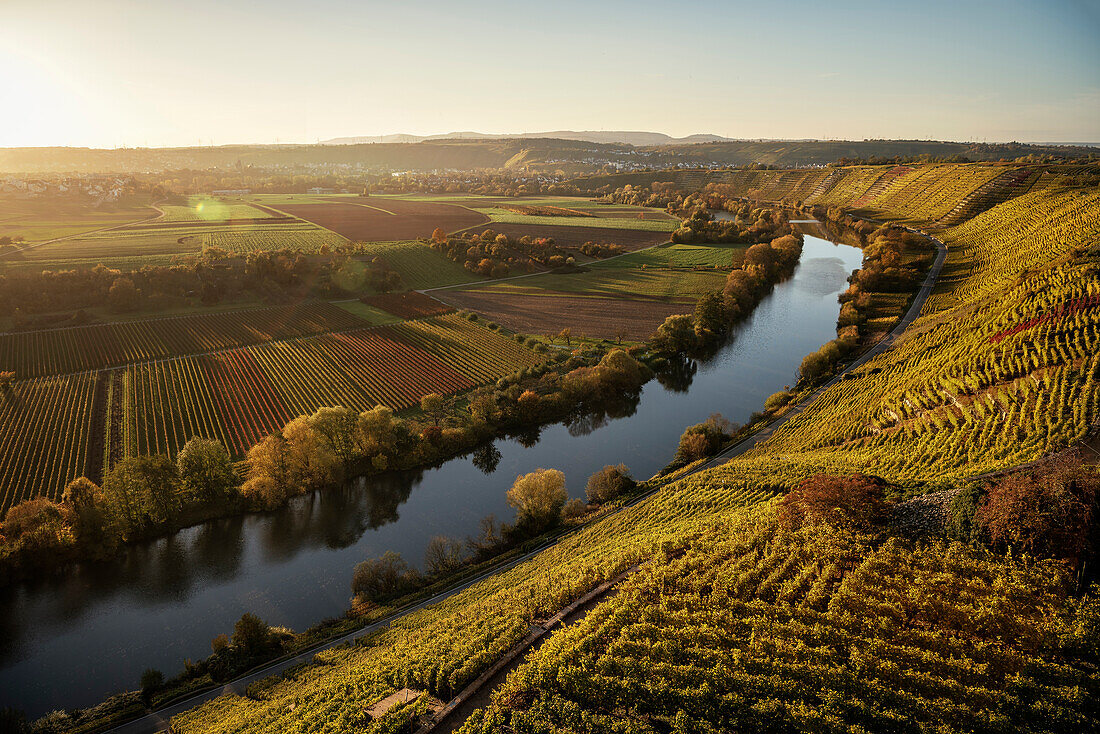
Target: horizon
294, 75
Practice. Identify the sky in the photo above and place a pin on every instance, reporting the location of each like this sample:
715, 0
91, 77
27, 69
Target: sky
112, 73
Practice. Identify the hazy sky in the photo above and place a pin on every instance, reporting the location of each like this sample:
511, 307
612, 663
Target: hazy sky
106, 73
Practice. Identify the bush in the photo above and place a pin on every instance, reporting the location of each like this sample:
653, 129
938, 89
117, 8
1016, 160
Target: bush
1048, 511
608, 483
573, 509
538, 498
777, 400
251, 634
856, 501
377, 578
151, 681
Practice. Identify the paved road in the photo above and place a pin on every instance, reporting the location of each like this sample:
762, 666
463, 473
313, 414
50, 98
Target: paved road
159, 720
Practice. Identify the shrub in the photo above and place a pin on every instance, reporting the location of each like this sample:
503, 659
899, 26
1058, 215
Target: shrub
856, 501
377, 578
251, 634
573, 509
608, 483
538, 498
777, 400
1048, 511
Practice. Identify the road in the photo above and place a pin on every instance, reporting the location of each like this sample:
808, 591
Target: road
159, 720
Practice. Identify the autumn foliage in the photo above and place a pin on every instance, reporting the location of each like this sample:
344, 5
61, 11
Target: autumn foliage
1048, 511
854, 502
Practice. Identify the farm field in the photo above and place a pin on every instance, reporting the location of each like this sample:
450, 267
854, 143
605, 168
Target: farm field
999, 370
649, 224
37, 221
396, 219
80, 348
58, 427
679, 286
420, 266
634, 319
409, 305
572, 237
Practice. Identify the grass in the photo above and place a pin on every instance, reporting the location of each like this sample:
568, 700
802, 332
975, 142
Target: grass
43, 226
209, 209
373, 316
676, 285
676, 256
504, 216
420, 266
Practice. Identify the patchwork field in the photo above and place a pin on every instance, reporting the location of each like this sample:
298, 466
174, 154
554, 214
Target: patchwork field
680, 286
634, 319
394, 219
237, 377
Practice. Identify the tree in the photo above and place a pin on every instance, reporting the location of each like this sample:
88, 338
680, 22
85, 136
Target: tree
1048, 511
88, 503
6, 381
438, 235
123, 295
538, 498
566, 334
608, 483
268, 482
377, 578
142, 490
433, 405
676, 334
205, 470
251, 634
443, 555
338, 428
856, 501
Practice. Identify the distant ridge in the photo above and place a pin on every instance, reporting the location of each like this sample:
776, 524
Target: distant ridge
623, 137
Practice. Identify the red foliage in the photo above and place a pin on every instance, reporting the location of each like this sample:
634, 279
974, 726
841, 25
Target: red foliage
1048, 511
855, 501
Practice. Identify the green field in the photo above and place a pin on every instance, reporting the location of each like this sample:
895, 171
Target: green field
504, 216
420, 266
676, 285
678, 256
209, 209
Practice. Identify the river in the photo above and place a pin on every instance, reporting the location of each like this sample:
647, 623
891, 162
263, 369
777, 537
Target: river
71, 640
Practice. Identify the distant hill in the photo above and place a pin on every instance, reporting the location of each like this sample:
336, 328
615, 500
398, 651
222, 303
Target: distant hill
530, 154
622, 137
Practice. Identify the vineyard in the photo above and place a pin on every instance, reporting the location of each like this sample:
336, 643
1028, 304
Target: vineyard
47, 435
55, 428
967, 391
410, 305
56, 351
299, 236
753, 629
734, 623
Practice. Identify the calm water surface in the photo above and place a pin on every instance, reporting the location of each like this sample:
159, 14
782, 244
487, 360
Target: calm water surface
69, 641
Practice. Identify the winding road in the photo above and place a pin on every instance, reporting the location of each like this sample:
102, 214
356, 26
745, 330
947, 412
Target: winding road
159, 720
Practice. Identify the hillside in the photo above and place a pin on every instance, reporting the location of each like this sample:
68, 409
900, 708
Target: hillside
735, 624
575, 157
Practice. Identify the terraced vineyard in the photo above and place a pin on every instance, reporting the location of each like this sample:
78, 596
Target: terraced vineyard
757, 630
55, 351
819, 629
968, 390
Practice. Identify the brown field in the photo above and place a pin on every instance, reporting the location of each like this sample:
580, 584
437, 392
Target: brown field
386, 220
630, 239
634, 318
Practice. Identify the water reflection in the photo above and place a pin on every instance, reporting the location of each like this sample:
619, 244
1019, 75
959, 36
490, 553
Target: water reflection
69, 640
